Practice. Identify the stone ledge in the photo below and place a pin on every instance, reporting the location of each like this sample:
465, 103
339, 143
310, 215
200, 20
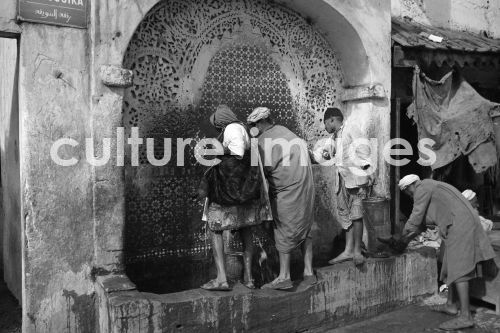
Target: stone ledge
9, 28
376, 91
115, 283
115, 76
343, 293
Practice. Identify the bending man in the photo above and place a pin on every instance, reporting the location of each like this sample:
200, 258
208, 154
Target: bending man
464, 246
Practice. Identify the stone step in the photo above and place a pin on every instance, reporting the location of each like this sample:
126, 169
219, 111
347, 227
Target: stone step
344, 293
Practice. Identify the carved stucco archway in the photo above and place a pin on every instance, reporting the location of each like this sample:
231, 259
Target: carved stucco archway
342, 28
346, 26
187, 57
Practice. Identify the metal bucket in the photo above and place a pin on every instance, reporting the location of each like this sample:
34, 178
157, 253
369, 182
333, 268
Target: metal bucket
377, 221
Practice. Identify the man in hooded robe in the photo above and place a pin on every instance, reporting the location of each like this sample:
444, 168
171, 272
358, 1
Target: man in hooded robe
232, 192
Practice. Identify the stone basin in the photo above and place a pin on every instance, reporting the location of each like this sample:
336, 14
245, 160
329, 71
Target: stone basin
344, 293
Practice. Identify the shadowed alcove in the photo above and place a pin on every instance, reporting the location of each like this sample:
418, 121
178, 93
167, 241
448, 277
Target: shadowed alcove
188, 57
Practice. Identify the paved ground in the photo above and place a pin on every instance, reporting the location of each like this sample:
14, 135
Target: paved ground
419, 318
10, 311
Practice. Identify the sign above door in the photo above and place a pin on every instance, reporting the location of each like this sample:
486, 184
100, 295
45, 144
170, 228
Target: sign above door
69, 13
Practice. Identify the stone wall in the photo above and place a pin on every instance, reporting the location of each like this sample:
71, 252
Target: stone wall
11, 229
57, 201
476, 16
74, 216
8, 13
468, 15
8, 28
2, 217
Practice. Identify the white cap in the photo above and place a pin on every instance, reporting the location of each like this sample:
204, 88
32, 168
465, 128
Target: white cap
407, 181
469, 194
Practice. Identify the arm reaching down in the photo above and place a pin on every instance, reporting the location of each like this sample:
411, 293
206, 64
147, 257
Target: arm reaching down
421, 201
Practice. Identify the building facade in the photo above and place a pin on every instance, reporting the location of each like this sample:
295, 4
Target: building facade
477, 16
161, 66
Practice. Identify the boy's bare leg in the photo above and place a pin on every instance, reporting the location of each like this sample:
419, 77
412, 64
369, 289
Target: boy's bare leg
358, 239
348, 253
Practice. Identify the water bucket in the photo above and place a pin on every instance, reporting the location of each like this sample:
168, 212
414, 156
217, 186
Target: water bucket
377, 221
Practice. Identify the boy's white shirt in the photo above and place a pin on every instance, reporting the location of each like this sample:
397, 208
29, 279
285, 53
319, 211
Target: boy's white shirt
328, 146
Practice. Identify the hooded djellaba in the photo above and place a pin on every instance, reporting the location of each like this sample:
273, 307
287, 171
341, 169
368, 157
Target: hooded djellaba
232, 192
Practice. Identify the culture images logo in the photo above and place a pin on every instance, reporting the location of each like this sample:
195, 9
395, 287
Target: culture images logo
361, 156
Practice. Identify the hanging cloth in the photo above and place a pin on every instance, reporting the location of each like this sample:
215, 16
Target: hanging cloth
456, 117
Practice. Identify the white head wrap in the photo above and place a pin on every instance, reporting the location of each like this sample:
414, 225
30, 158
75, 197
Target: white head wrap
258, 114
407, 181
469, 194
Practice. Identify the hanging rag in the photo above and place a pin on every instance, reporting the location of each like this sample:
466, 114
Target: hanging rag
456, 117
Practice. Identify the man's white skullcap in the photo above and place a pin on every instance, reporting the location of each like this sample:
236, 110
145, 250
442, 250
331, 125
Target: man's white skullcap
407, 181
469, 194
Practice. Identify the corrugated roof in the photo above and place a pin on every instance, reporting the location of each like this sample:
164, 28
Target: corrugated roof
408, 33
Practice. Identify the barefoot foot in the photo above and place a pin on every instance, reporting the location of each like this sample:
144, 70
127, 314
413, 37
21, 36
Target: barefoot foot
341, 258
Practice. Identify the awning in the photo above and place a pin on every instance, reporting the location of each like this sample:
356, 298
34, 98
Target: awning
414, 42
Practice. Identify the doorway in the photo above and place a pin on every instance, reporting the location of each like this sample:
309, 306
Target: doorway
404, 128
10, 190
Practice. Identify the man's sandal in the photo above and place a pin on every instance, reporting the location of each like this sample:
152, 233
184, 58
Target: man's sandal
309, 280
279, 285
214, 285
